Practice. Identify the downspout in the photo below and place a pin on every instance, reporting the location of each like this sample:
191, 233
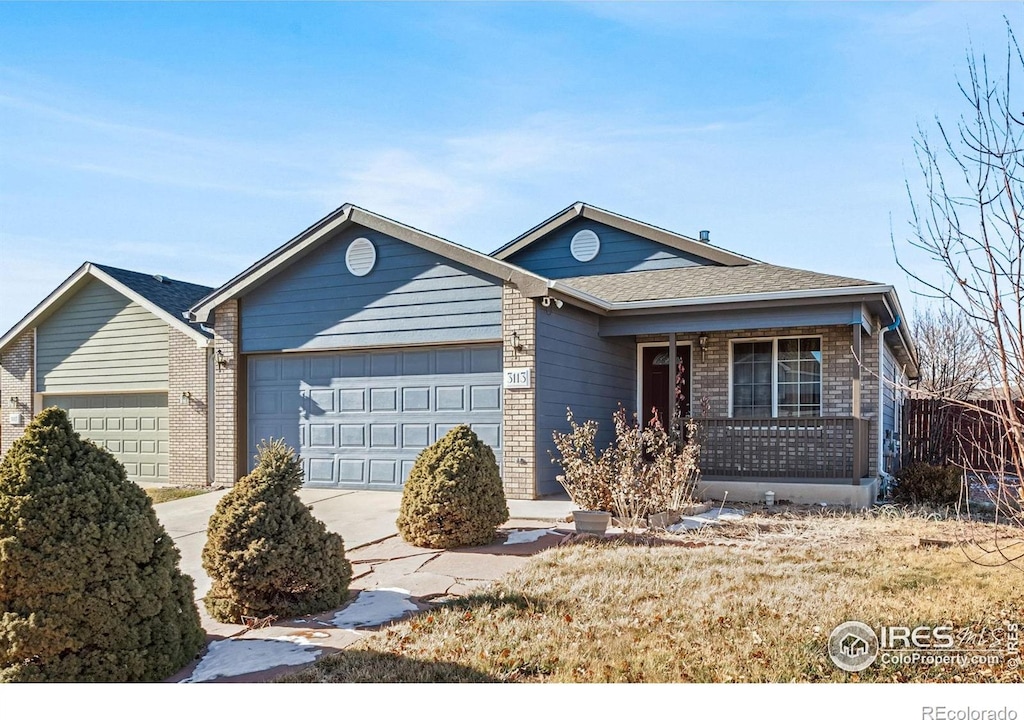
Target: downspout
881, 390
211, 428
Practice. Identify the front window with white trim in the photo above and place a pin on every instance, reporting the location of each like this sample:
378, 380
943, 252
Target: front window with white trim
780, 377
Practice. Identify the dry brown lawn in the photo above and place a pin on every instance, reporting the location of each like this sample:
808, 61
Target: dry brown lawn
166, 494
751, 602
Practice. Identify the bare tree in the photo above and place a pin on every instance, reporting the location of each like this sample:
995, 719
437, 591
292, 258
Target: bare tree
952, 363
969, 219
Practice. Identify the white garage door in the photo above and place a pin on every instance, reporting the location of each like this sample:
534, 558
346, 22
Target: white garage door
359, 419
132, 426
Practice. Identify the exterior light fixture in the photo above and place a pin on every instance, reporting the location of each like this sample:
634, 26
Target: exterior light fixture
185, 399
703, 342
14, 401
517, 344
222, 361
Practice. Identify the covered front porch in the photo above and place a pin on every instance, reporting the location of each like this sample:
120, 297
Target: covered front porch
779, 409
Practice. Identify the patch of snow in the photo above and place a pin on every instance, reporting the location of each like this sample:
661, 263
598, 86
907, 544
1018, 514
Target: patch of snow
715, 516
519, 537
375, 607
238, 656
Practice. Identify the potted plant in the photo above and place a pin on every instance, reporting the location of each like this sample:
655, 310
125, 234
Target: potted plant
587, 475
645, 476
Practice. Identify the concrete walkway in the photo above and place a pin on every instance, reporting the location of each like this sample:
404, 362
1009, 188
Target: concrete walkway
380, 559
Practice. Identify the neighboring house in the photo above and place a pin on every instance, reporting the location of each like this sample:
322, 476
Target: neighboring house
362, 340
114, 349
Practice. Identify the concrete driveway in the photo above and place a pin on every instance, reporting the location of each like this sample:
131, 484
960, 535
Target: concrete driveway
361, 517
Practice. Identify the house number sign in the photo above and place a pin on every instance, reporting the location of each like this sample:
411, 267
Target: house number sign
517, 378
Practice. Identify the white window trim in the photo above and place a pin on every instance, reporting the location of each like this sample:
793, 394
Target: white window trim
774, 339
640, 371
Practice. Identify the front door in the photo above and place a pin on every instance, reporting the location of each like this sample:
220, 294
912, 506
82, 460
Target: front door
654, 381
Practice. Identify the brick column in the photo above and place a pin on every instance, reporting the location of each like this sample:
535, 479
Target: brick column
519, 407
187, 375
225, 397
17, 380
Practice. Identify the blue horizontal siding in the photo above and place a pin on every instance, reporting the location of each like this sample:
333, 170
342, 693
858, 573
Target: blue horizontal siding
621, 251
578, 369
411, 296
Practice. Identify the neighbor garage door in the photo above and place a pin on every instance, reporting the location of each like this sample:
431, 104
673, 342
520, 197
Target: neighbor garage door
132, 426
359, 419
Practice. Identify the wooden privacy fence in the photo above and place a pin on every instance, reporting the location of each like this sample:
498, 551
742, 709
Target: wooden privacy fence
939, 432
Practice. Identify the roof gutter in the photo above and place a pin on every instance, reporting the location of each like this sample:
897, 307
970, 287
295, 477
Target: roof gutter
716, 299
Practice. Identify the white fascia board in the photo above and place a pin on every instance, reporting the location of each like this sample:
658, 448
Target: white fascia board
72, 283
621, 222
49, 301
538, 231
252, 275
666, 237
352, 214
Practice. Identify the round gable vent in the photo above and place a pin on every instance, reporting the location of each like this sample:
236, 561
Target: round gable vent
360, 257
585, 245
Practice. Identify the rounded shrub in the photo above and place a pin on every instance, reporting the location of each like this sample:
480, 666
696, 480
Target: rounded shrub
453, 496
90, 588
265, 552
921, 482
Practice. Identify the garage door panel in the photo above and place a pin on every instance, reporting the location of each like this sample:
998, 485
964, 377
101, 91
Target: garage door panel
384, 364
485, 360
415, 436
415, 399
350, 472
352, 401
365, 425
485, 397
321, 401
321, 470
383, 399
416, 363
132, 427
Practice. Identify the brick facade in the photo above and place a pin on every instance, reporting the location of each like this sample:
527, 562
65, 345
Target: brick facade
189, 426
519, 407
17, 380
226, 376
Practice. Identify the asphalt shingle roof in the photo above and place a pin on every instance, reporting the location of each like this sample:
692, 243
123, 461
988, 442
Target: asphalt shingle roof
706, 281
174, 296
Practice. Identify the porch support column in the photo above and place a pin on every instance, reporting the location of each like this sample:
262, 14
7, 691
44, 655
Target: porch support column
670, 421
855, 369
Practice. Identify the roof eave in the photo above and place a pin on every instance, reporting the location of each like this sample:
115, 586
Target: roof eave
530, 283
52, 302
621, 222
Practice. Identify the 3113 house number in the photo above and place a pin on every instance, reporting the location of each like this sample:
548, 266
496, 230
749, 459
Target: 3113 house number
517, 378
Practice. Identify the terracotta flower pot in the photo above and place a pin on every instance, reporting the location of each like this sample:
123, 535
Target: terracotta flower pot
594, 522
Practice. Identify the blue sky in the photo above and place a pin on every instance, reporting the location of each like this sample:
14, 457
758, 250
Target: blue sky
190, 139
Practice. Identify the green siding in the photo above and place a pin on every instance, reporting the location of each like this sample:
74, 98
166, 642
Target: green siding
101, 340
